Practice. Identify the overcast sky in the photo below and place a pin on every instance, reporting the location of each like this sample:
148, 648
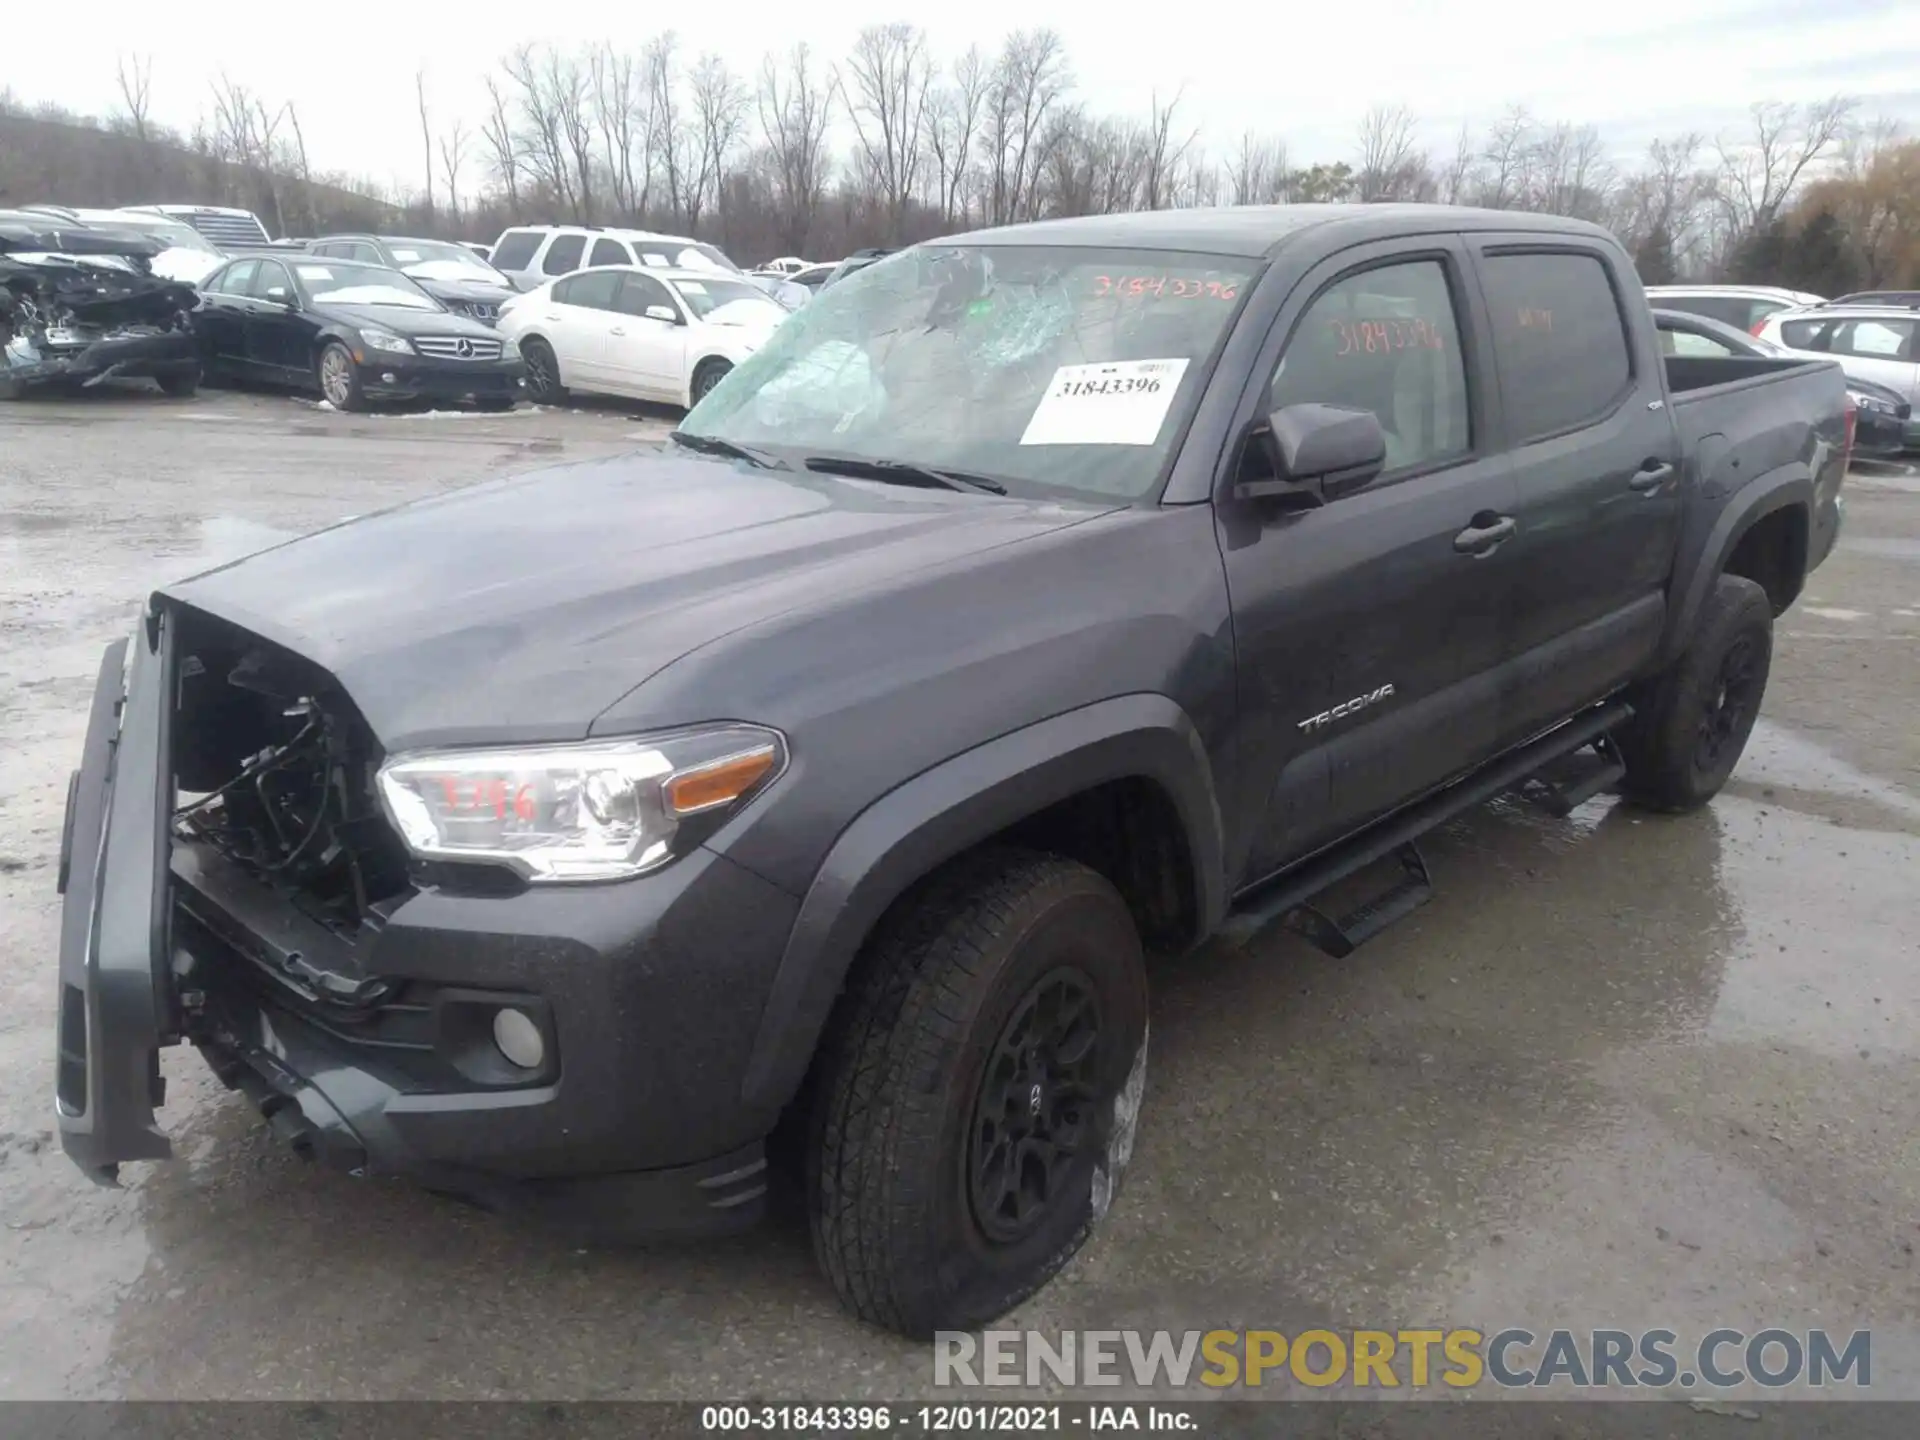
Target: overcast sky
1635, 68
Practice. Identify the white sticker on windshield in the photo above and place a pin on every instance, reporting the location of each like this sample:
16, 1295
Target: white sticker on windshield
692, 287
658, 262
406, 257
313, 272
1122, 402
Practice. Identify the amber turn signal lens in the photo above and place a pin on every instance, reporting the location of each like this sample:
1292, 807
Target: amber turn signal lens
720, 783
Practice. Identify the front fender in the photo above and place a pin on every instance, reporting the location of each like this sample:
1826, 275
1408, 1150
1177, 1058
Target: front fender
946, 810
1789, 485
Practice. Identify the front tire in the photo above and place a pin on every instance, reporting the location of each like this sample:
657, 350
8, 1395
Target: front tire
1692, 724
709, 374
339, 378
979, 1089
179, 384
543, 372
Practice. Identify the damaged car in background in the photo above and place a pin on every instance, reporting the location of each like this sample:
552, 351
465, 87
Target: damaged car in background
79, 306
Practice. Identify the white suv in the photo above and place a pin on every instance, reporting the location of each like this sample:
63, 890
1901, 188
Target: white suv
1872, 342
531, 255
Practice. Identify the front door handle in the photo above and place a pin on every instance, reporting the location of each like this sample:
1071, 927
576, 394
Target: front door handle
1486, 535
1650, 478
616, 330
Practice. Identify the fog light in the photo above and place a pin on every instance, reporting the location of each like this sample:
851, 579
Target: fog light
386, 377
519, 1039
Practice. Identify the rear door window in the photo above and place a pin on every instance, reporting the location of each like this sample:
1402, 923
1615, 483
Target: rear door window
1560, 338
591, 289
609, 252
1874, 339
637, 292
235, 279
563, 255
515, 250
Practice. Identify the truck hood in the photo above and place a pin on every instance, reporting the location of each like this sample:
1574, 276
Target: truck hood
519, 610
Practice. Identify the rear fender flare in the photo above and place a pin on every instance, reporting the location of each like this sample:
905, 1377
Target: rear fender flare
1776, 490
945, 811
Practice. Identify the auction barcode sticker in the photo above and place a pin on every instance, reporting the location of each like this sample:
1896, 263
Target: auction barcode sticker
1121, 402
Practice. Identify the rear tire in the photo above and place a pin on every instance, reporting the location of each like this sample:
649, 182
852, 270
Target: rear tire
978, 1091
1692, 723
339, 377
543, 372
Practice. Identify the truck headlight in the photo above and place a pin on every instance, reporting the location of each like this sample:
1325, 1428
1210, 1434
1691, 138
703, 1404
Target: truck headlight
601, 810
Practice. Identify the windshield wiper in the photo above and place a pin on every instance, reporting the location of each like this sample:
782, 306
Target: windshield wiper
714, 445
903, 472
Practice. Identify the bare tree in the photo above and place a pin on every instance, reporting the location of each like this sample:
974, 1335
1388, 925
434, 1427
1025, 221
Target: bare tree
954, 130
453, 154
667, 138
1257, 174
794, 110
1503, 180
136, 86
1163, 153
1758, 174
1391, 164
502, 145
619, 112
885, 90
1456, 182
426, 133
540, 136
1028, 81
719, 117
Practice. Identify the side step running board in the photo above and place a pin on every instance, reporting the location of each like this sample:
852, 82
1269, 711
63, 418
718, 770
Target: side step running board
1286, 897
1567, 782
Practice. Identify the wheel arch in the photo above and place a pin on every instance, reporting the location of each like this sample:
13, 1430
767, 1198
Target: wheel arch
1037, 779
693, 371
1771, 517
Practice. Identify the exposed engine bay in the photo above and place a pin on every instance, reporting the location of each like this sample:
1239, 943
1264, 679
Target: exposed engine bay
85, 305
276, 772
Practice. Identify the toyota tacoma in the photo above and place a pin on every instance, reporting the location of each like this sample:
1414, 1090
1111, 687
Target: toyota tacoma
1035, 601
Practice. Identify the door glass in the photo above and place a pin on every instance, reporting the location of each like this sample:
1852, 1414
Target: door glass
637, 292
236, 278
1385, 340
1685, 342
563, 256
1806, 334
591, 290
515, 249
1561, 340
609, 252
1873, 339
270, 276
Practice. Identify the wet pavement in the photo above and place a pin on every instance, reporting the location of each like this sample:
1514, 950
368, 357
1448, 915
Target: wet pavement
1624, 1071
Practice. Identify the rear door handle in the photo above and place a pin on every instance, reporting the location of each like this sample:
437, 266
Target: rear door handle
1485, 538
616, 330
1651, 478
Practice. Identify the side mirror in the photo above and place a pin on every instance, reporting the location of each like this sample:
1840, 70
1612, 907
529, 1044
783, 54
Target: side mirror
1318, 453
280, 295
663, 312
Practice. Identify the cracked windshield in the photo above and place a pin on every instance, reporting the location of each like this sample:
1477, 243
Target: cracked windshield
1037, 366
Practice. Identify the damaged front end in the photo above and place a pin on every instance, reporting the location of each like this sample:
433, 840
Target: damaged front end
84, 306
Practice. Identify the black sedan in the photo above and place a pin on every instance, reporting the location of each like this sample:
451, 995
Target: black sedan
355, 333
1880, 412
459, 279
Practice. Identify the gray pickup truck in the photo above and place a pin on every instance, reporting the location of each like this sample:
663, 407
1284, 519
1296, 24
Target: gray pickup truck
1036, 600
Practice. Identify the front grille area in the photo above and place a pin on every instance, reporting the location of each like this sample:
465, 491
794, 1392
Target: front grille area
276, 773
477, 310
457, 347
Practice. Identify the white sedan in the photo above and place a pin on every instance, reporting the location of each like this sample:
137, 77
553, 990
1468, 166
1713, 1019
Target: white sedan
653, 334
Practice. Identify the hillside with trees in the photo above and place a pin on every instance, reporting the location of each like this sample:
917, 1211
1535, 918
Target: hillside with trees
891, 143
